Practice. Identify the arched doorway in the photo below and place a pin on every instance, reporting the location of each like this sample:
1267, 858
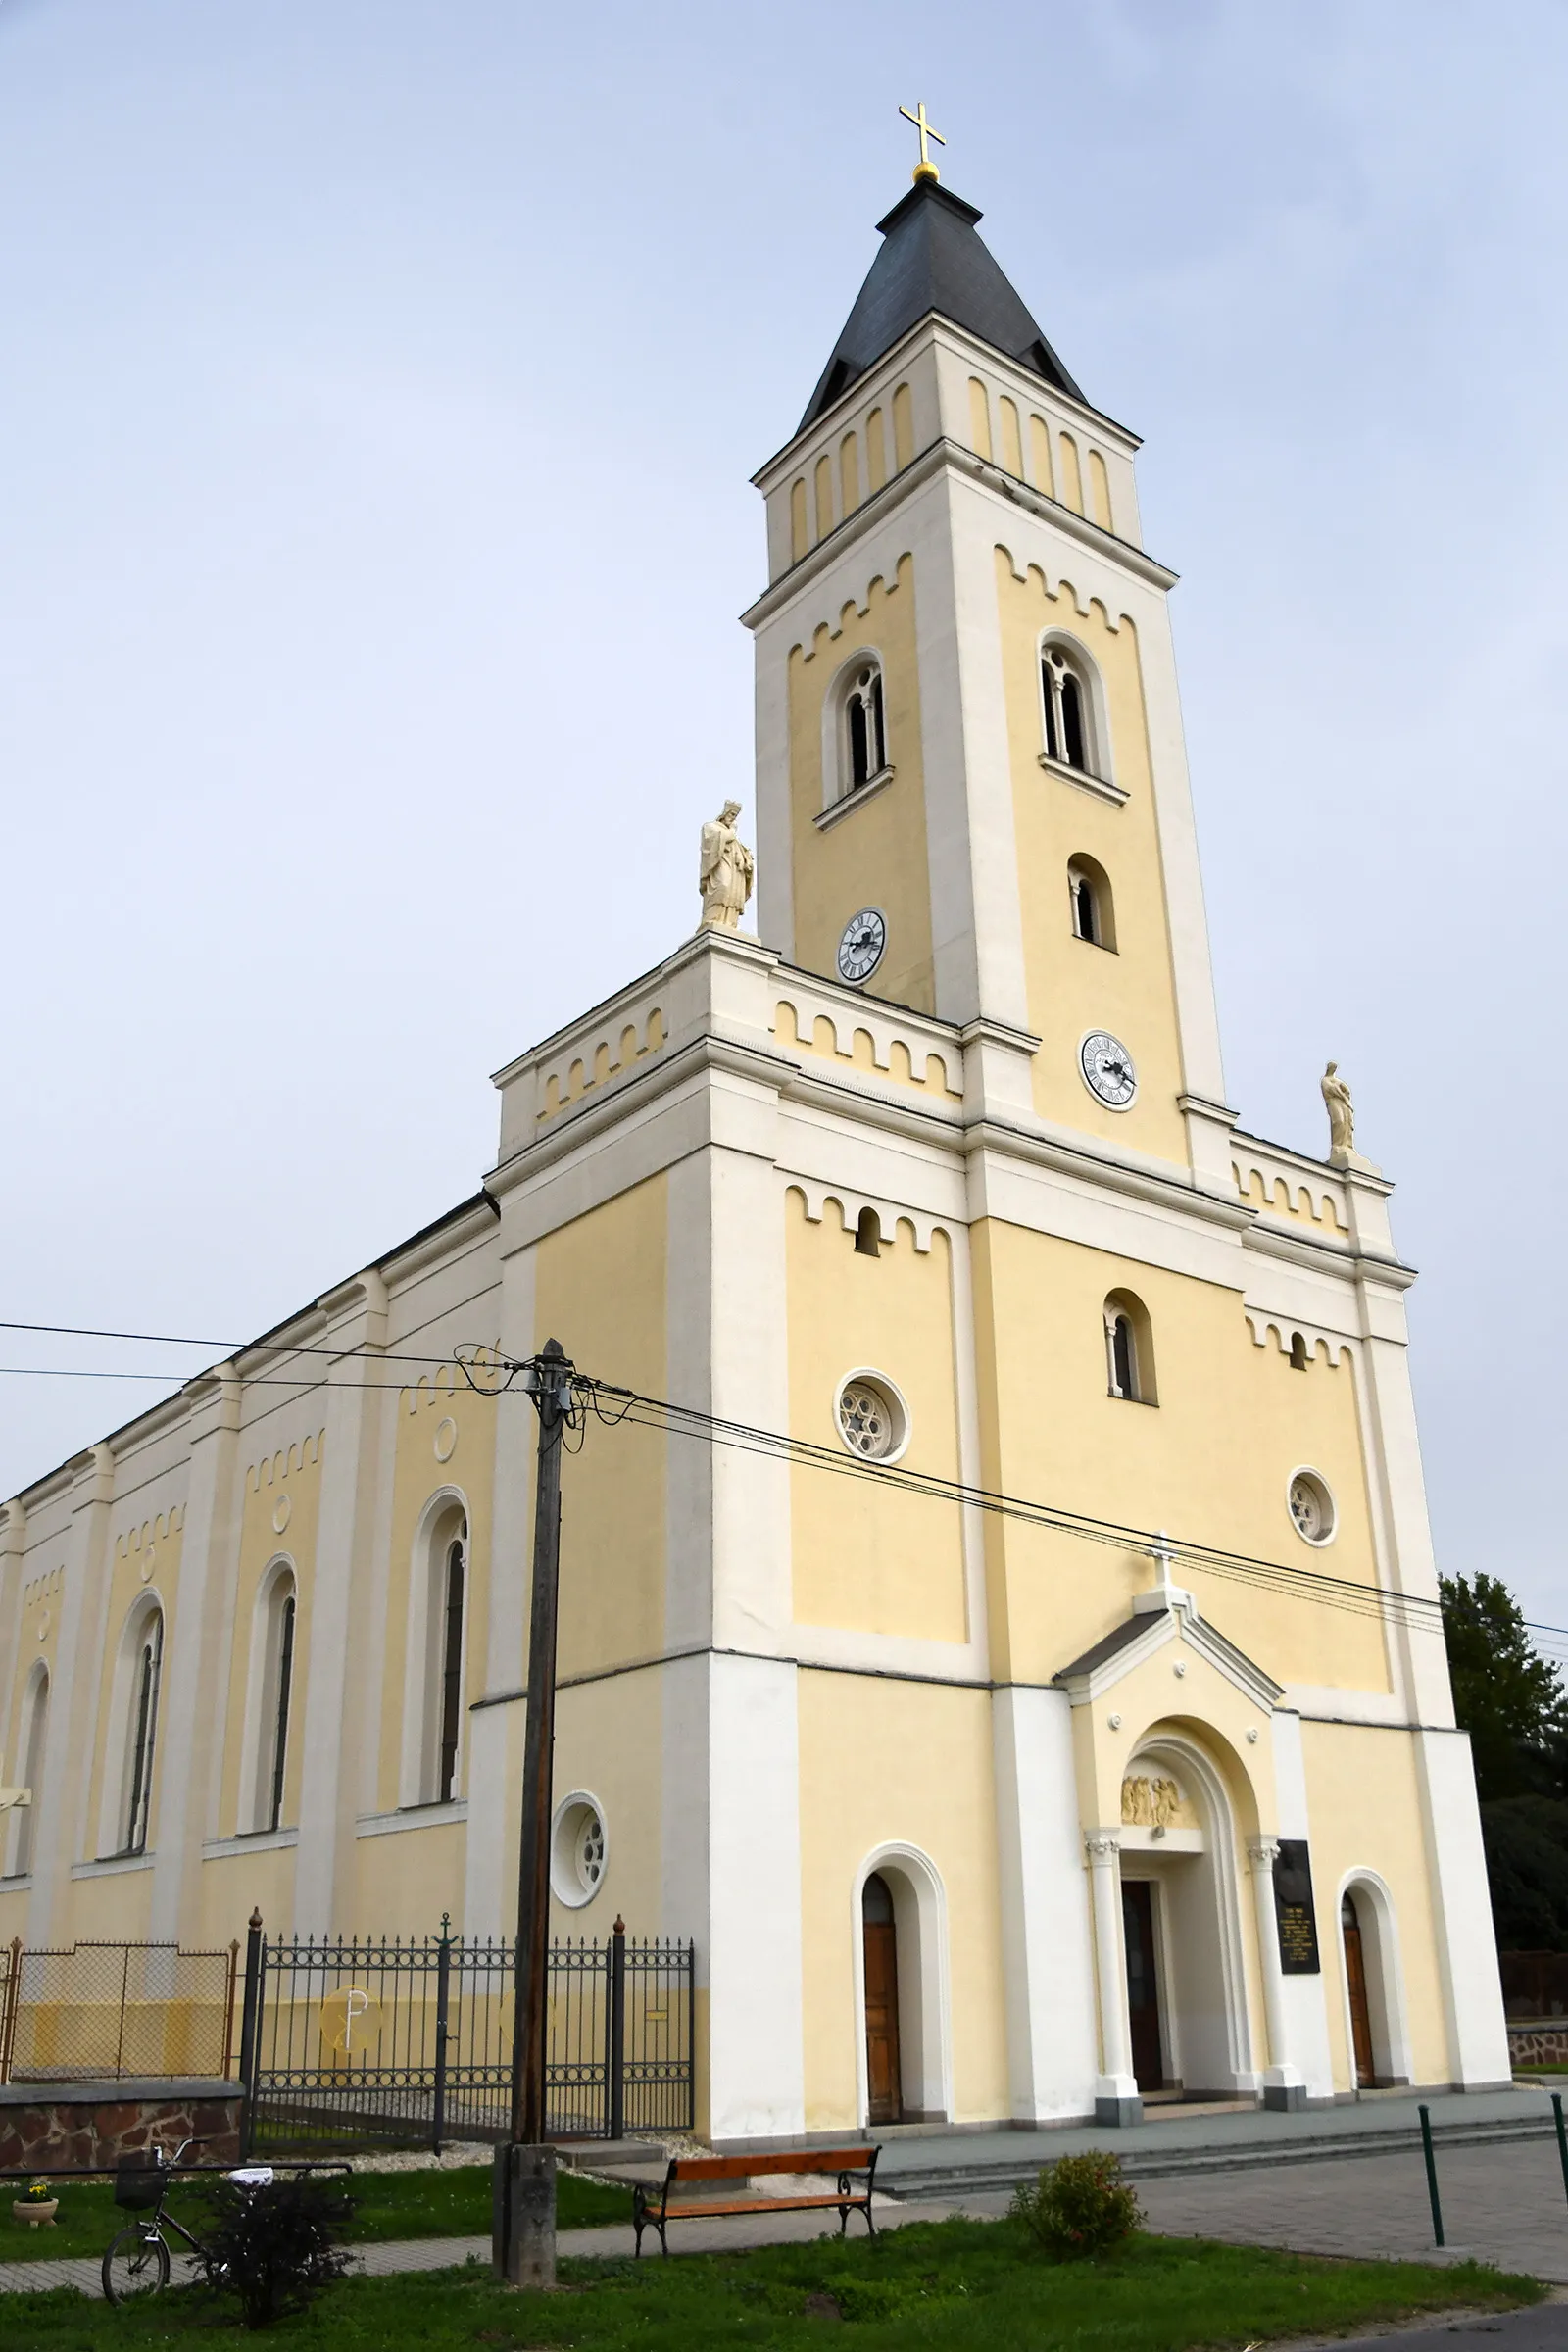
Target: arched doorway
1356, 1993
1188, 2025
1143, 1984
884, 2072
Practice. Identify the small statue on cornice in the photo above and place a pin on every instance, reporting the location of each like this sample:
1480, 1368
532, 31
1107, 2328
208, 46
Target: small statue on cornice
1343, 1152
728, 870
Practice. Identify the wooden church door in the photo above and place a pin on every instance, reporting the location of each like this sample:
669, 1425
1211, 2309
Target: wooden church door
882, 2070
1356, 1985
1143, 1988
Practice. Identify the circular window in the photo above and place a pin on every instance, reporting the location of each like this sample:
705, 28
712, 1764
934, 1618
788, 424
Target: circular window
579, 1850
1311, 1508
872, 1417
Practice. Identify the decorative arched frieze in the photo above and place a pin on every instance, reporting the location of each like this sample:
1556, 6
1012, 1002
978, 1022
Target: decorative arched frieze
889, 1214
822, 635
299, 1454
866, 1041
593, 1063
1085, 605
1331, 1348
1275, 1194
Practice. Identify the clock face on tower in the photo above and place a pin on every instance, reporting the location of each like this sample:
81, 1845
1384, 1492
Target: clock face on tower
865, 935
1107, 1069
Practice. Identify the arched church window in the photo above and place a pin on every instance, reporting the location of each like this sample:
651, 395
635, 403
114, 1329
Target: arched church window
868, 1233
454, 1583
1297, 1352
30, 1762
1090, 903
1129, 1348
277, 1615
862, 730
146, 1667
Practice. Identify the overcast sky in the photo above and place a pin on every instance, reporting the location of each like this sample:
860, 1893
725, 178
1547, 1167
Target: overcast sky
380, 384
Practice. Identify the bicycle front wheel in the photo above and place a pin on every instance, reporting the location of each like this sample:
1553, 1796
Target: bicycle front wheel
136, 2264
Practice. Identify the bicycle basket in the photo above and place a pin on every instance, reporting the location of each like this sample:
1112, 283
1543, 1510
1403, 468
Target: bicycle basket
139, 2185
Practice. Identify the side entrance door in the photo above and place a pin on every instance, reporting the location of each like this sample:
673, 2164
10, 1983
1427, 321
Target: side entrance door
1356, 1987
1142, 1987
882, 2070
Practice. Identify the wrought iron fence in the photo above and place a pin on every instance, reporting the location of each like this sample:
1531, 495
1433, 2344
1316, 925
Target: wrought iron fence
350, 2040
100, 2012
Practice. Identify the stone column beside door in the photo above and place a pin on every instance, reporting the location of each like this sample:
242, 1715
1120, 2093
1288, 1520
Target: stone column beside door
1284, 2085
1116, 2099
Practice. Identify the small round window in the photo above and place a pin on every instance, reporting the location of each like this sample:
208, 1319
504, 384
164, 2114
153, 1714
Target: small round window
1311, 1508
578, 1851
873, 1420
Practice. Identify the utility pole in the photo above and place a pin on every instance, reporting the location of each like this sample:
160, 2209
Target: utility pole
523, 2209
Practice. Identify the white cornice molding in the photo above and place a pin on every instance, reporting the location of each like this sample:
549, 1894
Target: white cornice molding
1180, 1624
939, 456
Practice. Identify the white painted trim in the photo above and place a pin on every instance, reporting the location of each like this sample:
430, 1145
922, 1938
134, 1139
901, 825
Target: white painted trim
114, 1866
115, 1793
1313, 1543
1082, 781
424, 1652
249, 1842
835, 745
1096, 716
259, 1675
847, 802
1191, 1760
411, 1817
930, 1998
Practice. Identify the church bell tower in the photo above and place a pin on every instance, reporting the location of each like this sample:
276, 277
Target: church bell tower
973, 794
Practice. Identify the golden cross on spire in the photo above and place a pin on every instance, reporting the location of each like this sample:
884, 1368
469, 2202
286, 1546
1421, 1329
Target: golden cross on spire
925, 168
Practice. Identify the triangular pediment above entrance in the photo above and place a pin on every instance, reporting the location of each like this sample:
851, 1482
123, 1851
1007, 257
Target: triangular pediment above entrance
1147, 1632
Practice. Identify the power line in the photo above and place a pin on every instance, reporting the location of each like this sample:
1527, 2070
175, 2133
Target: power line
166, 1338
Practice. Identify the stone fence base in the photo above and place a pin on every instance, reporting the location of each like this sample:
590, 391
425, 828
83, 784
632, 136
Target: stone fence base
1537, 2041
54, 2126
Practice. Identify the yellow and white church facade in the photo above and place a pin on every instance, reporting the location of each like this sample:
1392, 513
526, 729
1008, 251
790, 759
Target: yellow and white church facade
1148, 1782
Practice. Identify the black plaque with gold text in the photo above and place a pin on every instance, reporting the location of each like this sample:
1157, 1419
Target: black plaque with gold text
1292, 1909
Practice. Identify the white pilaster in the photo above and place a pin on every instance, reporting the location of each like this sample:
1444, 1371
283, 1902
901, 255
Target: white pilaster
1306, 2021
1046, 1960
756, 2054
324, 1859
490, 1882
1467, 1951
1116, 2099
190, 1679
1282, 2084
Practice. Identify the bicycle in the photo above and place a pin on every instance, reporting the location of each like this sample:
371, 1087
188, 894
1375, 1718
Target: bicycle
137, 2260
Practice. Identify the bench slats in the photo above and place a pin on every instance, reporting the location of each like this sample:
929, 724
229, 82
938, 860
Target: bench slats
656, 2210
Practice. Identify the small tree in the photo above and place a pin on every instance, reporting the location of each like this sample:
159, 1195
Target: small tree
274, 2246
1508, 1698
1080, 2206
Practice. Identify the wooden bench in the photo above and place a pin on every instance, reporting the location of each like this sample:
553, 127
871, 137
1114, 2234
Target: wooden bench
656, 2209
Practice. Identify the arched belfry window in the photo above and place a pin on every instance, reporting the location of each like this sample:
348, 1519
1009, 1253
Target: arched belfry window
1067, 709
1129, 1348
145, 1664
1090, 903
863, 725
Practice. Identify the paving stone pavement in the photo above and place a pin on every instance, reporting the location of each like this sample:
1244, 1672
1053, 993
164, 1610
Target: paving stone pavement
1503, 2204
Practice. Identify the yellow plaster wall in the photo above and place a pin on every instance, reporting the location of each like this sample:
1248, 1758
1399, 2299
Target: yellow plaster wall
865, 1556
609, 1745
293, 1473
1074, 986
143, 1557
1210, 1462
233, 1884
600, 1289
885, 1762
419, 1474
875, 855
1343, 1762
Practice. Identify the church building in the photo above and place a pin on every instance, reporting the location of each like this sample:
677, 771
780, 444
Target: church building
1061, 1719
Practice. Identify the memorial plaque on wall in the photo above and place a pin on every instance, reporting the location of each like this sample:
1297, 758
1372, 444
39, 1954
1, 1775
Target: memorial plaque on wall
1292, 1909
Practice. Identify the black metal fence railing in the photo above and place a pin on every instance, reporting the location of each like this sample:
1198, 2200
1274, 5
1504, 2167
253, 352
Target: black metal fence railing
349, 2041
100, 2012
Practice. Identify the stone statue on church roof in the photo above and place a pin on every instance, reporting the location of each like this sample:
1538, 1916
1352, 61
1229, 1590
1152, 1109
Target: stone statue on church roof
1342, 1112
727, 872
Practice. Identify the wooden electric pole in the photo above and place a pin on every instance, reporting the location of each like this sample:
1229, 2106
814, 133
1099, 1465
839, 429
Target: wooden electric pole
523, 2233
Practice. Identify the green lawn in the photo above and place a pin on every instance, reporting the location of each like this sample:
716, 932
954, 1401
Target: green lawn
452, 2204
948, 2287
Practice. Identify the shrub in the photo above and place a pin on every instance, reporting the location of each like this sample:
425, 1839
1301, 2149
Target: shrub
274, 2246
1079, 2206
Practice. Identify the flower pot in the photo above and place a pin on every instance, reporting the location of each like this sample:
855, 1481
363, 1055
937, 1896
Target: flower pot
36, 2214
